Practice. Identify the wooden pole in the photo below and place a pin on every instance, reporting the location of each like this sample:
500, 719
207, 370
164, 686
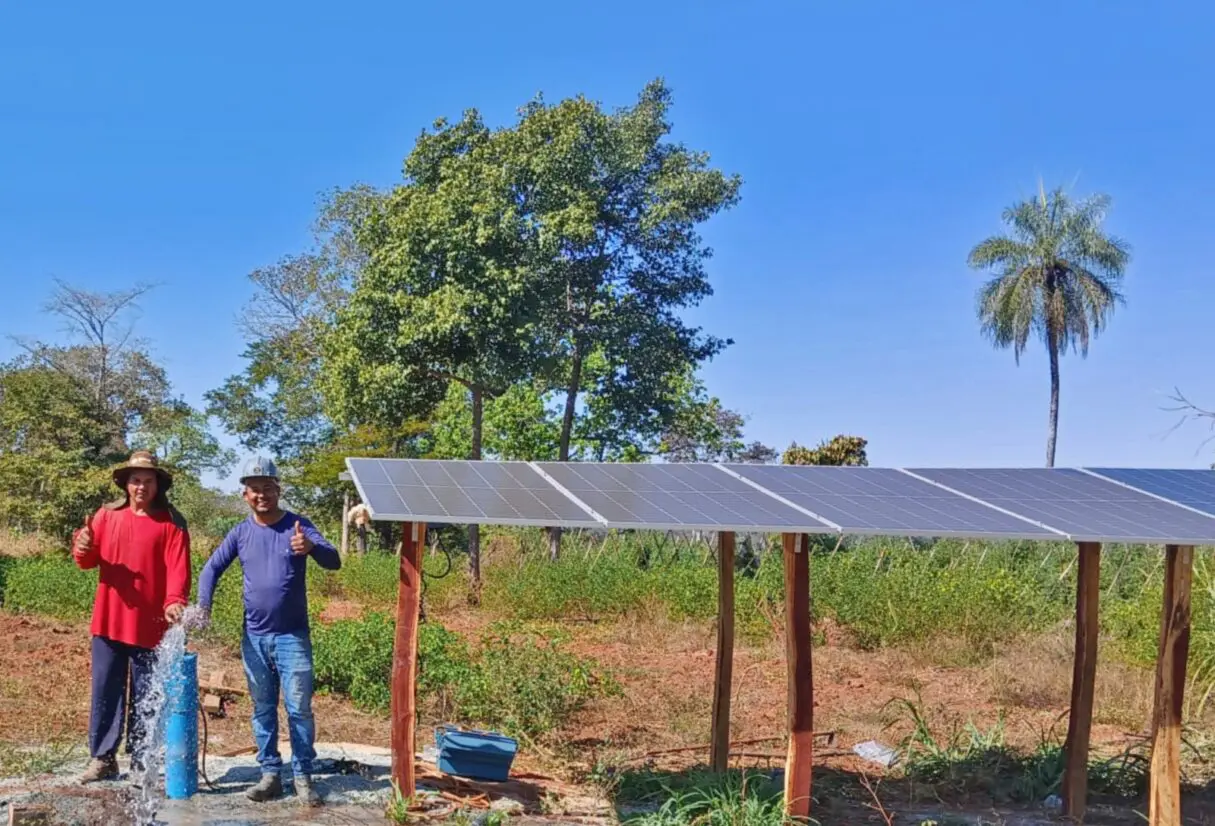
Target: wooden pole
798, 764
719, 754
405, 656
1164, 806
1084, 679
345, 523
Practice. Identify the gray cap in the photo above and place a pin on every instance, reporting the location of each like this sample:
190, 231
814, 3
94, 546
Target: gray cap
259, 467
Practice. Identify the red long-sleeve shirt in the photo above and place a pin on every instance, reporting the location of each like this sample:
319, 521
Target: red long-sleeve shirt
145, 568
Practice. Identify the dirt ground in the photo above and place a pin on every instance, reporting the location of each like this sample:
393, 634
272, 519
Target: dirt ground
666, 671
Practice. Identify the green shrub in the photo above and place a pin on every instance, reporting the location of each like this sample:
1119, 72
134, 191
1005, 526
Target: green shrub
525, 684
518, 681
50, 584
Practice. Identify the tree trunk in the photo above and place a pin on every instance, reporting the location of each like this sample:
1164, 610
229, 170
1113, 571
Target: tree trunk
567, 430
1052, 436
474, 531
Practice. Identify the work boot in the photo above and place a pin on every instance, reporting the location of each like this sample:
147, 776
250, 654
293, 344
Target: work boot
268, 788
100, 768
305, 791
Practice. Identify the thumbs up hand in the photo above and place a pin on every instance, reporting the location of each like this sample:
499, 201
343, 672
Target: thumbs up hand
84, 539
300, 544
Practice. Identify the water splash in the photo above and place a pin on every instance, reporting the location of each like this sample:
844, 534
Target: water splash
149, 715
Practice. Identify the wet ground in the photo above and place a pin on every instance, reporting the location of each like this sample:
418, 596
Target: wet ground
353, 782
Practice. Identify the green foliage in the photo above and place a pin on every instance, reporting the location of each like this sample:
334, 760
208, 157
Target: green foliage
966, 759
179, 436
706, 799
524, 683
839, 451
53, 455
50, 585
517, 680
275, 403
518, 425
1056, 277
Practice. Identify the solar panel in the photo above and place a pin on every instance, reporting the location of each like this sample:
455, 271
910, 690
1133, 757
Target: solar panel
461, 492
1086, 508
677, 497
1192, 488
886, 502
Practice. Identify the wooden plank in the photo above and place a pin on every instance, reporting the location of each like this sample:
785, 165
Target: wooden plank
799, 761
345, 523
405, 656
1084, 680
719, 754
1164, 804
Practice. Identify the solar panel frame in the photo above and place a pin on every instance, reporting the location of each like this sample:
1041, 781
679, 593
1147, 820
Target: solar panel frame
677, 497
865, 501
488, 493
1084, 507
1189, 488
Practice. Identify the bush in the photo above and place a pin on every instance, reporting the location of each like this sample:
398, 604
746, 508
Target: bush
518, 681
524, 683
51, 585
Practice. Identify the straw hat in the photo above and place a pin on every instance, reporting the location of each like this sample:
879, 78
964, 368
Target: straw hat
142, 460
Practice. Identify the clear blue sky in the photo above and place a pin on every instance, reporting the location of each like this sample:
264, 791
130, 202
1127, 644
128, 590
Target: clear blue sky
877, 142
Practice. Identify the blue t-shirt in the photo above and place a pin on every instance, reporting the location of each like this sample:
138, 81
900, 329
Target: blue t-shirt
276, 601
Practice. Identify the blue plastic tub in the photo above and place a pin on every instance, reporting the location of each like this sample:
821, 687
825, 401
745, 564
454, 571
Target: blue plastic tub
478, 755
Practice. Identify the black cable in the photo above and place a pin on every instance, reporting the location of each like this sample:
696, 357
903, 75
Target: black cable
203, 753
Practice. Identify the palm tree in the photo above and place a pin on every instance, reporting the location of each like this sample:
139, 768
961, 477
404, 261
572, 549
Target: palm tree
1056, 276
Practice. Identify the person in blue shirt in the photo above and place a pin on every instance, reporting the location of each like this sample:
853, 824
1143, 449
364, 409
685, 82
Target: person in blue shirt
273, 546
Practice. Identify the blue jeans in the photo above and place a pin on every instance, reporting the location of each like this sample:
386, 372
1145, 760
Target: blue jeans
272, 660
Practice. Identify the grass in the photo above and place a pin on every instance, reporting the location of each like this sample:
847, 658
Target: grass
517, 679
964, 760
33, 761
734, 799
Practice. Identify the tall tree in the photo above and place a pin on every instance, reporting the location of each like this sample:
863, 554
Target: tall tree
103, 356
447, 295
275, 403
615, 206
1057, 277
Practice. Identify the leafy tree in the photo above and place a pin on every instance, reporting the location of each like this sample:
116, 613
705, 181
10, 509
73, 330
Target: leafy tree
112, 366
179, 436
447, 294
841, 450
703, 430
518, 425
615, 208
54, 451
275, 404
1057, 278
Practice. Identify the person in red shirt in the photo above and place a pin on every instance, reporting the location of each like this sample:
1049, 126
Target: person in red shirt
142, 547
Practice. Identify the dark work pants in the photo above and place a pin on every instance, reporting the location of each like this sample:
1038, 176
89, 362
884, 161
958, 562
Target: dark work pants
115, 665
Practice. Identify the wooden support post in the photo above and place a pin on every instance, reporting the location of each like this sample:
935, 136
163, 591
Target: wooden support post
719, 756
1084, 679
345, 523
1164, 806
405, 656
798, 764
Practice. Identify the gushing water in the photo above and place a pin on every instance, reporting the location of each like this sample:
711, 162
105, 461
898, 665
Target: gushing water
149, 717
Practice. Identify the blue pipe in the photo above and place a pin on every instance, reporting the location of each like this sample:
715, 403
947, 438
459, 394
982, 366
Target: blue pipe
181, 731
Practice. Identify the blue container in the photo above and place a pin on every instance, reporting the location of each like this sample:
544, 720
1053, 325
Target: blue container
181, 731
479, 755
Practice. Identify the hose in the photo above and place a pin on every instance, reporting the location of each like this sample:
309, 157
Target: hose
203, 750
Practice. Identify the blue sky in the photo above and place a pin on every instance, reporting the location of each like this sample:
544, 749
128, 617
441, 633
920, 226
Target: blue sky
877, 142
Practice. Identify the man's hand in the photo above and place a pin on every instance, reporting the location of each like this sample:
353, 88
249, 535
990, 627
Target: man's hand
84, 540
300, 544
173, 613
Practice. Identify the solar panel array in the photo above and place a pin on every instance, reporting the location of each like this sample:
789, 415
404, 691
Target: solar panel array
676, 497
1102, 505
